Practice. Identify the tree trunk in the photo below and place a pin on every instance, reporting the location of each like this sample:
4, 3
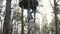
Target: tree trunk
55, 12
22, 22
6, 25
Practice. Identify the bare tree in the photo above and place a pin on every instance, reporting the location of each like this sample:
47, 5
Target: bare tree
22, 23
55, 12
6, 25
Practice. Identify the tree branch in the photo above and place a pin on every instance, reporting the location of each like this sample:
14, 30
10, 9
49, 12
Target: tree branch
51, 4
